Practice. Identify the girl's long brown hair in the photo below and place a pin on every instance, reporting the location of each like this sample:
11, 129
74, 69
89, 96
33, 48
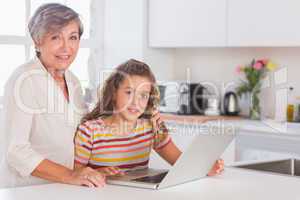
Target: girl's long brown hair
105, 105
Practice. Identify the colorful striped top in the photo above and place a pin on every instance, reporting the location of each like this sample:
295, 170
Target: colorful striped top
96, 146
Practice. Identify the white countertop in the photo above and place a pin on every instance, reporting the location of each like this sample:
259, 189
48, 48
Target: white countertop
268, 126
233, 184
271, 126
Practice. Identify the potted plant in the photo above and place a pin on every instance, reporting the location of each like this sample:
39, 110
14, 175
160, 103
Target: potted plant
252, 81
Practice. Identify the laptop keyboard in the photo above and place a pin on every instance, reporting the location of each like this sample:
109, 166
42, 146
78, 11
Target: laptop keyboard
152, 179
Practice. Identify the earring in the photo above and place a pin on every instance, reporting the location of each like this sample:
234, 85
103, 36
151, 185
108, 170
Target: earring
37, 52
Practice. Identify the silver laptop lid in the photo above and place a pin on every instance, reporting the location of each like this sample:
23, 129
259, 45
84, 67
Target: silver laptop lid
197, 160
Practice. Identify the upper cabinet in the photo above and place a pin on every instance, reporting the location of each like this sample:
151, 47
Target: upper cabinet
224, 23
263, 23
187, 23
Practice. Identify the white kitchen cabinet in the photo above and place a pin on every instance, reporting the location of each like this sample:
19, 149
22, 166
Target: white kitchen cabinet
224, 23
187, 23
263, 23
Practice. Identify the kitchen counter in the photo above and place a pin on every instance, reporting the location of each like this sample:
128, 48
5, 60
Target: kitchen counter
263, 127
196, 118
254, 139
267, 126
271, 127
233, 184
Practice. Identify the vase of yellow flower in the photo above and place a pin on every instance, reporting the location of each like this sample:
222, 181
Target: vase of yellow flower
251, 84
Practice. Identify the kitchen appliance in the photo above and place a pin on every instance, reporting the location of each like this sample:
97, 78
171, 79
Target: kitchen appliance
231, 106
169, 97
182, 98
213, 107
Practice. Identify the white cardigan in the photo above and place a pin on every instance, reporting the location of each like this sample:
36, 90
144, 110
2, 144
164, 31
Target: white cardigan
39, 123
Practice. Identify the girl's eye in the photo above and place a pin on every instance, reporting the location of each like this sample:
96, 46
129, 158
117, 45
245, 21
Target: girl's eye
145, 96
74, 37
128, 92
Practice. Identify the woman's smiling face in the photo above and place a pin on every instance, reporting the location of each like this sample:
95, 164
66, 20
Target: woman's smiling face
58, 50
132, 96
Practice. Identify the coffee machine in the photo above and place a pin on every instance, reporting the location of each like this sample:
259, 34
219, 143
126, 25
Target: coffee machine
192, 99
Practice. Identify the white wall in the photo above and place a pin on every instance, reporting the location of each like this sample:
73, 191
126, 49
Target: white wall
96, 59
126, 35
123, 33
218, 65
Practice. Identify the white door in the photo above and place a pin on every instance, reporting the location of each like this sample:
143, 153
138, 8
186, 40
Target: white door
263, 23
187, 23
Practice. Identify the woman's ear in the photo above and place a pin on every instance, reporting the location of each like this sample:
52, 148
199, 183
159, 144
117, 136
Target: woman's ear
37, 43
37, 48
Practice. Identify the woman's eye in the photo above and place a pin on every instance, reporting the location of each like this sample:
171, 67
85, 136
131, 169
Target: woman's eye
74, 37
55, 37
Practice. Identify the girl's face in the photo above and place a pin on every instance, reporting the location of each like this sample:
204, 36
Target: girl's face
58, 50
132, 97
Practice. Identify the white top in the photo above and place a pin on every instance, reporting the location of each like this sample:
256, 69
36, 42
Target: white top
233, 184
39, 123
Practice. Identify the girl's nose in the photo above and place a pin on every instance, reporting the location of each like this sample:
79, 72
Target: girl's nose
135, 100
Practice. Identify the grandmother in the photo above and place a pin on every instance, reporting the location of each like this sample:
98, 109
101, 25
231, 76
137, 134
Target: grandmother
43, 105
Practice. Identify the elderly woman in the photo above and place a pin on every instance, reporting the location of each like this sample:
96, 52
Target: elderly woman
43, 105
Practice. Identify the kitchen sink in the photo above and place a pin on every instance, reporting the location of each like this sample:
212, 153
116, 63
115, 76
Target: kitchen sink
289, 167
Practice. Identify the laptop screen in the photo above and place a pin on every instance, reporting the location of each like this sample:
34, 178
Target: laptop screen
152, 179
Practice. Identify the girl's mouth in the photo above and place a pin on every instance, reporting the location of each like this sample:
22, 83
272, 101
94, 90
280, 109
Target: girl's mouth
133, 110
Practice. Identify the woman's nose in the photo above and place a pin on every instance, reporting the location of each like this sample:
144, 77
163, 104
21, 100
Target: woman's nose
64, 43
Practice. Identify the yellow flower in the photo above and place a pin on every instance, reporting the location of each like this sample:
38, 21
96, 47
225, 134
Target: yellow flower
271, 66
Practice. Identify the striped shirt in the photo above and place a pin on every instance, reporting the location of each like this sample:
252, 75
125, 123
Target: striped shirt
96, 146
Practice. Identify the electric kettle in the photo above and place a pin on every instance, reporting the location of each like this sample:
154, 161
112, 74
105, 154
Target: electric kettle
231, 106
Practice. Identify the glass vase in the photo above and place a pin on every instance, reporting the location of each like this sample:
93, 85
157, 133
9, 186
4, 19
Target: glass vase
255, 112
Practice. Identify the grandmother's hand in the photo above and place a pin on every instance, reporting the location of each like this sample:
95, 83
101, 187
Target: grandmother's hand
85, 176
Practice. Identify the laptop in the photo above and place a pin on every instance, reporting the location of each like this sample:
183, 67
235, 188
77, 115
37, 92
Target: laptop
193, 164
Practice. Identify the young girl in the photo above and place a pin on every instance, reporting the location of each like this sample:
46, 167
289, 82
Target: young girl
120, 132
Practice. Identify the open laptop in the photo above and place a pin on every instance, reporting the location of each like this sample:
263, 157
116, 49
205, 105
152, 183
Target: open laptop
193, 164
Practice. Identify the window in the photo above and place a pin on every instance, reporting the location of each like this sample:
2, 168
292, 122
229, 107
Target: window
15, 43
17, 18
8, 64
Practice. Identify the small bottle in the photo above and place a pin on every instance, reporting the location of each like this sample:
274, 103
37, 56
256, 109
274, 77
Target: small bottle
297, 117
290, 107
290, 113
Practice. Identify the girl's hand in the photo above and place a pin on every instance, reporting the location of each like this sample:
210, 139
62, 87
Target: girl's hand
217, 168
156, 120
110, 171
85, 176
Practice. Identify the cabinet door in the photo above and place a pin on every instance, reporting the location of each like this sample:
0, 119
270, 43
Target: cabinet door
263, 23
187, 23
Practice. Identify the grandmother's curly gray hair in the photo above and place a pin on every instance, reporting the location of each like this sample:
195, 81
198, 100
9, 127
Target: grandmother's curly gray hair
51, 17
